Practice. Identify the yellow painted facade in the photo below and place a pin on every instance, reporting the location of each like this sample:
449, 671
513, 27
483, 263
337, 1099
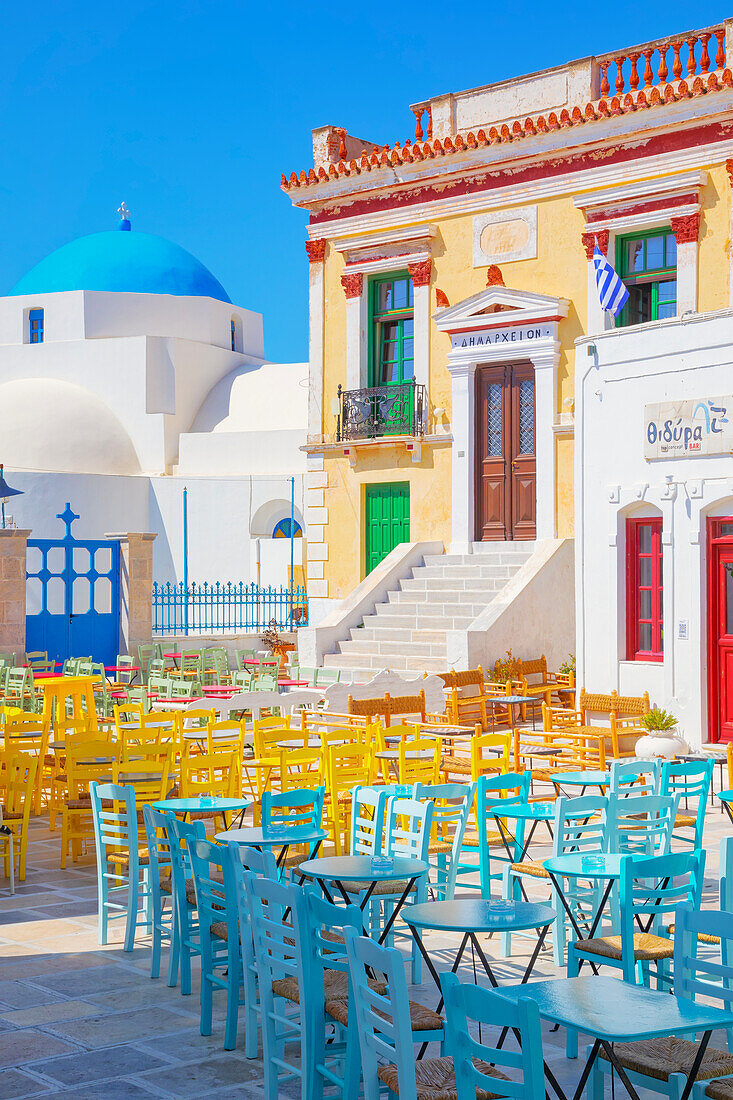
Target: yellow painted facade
559, 269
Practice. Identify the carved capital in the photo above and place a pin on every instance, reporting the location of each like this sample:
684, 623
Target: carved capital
316, 251
687, 229
352, 283
589, 242
420, 272
441, 298
494, 276
729, 170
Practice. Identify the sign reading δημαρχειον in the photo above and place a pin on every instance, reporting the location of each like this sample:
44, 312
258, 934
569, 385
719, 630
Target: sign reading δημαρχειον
677, 429
520, 334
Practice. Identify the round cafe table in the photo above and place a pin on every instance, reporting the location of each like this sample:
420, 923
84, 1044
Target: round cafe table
281, 836
469, 917
605, 866
207, 804
343, 871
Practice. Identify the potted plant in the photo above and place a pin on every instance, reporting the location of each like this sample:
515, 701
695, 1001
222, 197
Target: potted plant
567, 670
276, 645
503, 669
661, 740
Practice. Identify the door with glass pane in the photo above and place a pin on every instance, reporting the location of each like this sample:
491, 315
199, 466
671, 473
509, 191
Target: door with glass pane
505, 453
720, 628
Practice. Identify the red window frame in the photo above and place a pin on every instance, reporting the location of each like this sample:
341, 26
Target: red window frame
634, 590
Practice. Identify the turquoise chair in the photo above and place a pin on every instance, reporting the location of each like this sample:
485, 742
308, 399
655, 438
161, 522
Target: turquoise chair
286, 968
641, 825
477, 1065
368, 812
382, 1018
160, 840
184, 894
580, 826
492, 790
635, 777
649, 892
294, 807
452, 804
691, 781
215, 887
119, 872
694, 977
263, 864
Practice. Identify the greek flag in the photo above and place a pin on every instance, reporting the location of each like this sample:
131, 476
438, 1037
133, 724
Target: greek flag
611, 290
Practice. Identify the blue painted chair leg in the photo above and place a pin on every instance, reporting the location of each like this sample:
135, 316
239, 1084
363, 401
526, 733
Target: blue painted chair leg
175, 951
571, 1036
596, 1081
207, 992
234, 969
102, 920
133, 892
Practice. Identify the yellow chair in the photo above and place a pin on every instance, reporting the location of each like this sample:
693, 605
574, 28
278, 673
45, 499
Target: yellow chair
466, 691
17, 785
487, 752
418, 761
263, 769
86, 760
148, 774
386, 747
29, 733
210, 774
346, 767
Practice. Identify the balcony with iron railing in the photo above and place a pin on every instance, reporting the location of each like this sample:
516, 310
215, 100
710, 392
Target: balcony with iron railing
381, 411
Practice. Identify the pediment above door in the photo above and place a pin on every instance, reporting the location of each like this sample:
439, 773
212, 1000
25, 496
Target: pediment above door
500, 306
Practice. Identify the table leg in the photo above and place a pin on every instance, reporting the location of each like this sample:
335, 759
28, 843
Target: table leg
694, 1069
587, 1071
395, 912
484, 961
623, 1076
435, 976
728, 811
573, 921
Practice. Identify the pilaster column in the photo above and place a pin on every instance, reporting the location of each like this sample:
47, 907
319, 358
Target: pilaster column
316, 254
353, 284
462, 418
420, 273
13, 551
598, 319
545, 390
136, 588
686, 231
729, 170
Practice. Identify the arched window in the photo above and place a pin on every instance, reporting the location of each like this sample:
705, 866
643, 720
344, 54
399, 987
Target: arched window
282, 529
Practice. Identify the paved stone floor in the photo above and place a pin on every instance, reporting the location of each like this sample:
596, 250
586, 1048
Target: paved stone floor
85, 1021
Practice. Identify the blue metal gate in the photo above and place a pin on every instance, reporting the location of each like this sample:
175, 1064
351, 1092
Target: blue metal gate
73, 596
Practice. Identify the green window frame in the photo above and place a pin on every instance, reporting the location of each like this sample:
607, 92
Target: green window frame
391, 330
647, 263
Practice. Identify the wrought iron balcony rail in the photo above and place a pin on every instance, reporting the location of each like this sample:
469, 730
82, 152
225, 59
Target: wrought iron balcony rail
380, 411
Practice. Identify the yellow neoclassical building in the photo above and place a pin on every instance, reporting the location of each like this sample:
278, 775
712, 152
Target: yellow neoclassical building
451, 276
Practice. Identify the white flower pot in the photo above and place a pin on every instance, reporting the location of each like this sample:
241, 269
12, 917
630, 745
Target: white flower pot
660, 746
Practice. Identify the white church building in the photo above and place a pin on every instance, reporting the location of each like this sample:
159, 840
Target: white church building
127, 374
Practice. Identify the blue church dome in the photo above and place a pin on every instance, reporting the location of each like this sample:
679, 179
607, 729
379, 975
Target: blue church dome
127, 262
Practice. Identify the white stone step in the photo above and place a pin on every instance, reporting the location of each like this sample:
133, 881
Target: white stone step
407, 635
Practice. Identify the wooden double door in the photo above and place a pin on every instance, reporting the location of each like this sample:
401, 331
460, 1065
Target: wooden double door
506, 471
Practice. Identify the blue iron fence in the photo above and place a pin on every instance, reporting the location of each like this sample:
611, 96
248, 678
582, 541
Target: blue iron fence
226, 608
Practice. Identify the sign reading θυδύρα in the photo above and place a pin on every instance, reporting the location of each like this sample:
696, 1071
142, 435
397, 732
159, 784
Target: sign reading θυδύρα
676, 429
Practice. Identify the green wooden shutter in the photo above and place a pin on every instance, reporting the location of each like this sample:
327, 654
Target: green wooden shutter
387, 520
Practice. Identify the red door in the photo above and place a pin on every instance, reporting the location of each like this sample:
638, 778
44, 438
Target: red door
720, 628
505, 453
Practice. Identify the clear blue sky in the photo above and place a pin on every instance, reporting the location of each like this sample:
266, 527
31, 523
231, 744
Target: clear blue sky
189, 111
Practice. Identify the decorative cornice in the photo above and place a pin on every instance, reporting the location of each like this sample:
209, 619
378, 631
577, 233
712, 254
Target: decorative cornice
316, 251
600, 110
686, 230
352, 284
420, 272
589, 242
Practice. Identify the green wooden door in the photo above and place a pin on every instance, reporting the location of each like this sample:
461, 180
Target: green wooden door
387, 519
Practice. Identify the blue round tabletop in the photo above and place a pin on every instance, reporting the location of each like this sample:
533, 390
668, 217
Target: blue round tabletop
478, 915
287, 834
583, 779
725, 796
530, 811
194, 805
343, 868
588, 865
